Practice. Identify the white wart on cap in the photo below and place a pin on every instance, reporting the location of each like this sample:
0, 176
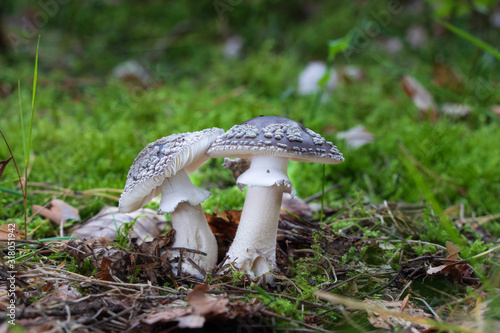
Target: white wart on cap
162, 159
270, 142
163, 167
266, 135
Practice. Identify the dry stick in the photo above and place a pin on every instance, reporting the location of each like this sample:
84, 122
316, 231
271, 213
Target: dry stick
434, 258
198, 268
342, 283
22, 188
82, 278
219, 266
115, 315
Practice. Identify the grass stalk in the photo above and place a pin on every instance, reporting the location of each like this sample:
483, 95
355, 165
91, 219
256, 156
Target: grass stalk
465, 35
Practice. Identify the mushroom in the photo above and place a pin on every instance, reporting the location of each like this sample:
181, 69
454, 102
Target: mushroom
270, 142
163, 167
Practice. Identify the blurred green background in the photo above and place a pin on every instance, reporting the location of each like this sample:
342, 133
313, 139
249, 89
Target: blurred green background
114, 75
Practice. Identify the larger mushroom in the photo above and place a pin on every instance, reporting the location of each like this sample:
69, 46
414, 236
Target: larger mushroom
270, 142
163, 167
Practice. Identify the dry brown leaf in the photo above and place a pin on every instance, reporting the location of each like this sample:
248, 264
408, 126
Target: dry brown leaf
421, 98
57, 211
453, 250
202, 308
147, 226
404, 304
7, 231
444, 76
3, 164
203, 304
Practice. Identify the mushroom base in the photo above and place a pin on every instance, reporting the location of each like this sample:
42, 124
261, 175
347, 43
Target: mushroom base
192, 232
254, 246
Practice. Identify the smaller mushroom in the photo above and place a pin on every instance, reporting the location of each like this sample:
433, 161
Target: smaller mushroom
163, 167
270, 142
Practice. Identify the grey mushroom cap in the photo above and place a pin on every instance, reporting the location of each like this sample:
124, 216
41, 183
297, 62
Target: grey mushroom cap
277, 136
163, 159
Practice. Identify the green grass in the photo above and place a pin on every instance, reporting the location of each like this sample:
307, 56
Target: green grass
88, 126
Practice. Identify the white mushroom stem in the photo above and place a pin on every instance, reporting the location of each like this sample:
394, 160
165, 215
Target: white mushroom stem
182, 200
254, 246
192, 232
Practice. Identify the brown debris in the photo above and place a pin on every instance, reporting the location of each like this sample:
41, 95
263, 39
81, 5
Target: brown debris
224, 225
150, 258
236, 165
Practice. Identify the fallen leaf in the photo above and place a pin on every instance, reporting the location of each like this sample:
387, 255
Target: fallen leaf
452, 250
388, 322
356, 137
7, 231
232, 46
3, 164
165, 316
421, 98
191, 321
312, 74
134, 72
66, 292
203, 304
455, 110
444, 76
436, 269
352, 73
148, 224
416, 36
496, 110
495, 18
391, 45
57, 211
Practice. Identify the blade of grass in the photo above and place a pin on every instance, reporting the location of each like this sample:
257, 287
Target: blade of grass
27, 148
35, 75
419, 180
322, 195
21, 115
465, 35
